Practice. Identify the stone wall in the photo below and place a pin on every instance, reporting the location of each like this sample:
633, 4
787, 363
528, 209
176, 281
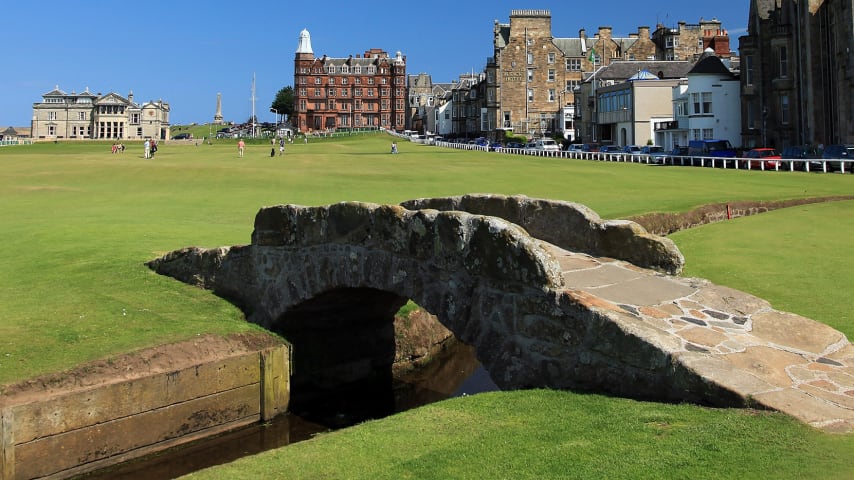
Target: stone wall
139, 404
571, 226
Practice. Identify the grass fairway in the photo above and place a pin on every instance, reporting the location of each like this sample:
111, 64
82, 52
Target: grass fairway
78, 223
541, 434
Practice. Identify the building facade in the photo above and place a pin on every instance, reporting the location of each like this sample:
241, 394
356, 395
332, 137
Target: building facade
706, 106
533, 77
86, 115
797, 73
608, 103
366, 91
689, 41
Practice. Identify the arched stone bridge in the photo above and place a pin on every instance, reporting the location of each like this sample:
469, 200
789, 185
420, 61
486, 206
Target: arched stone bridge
549, 294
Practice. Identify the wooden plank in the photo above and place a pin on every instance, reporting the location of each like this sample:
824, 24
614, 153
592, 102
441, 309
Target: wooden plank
7, 445
60, 452
275, 385
105, 403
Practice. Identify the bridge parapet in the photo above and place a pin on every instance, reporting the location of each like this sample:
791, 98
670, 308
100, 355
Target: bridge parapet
571, 226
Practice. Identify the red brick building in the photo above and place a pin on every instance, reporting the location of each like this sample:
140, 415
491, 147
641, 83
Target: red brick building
365, 91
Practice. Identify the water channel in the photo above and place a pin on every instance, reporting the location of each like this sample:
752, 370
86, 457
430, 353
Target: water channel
456, 372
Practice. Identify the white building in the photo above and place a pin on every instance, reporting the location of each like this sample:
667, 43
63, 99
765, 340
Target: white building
706, 106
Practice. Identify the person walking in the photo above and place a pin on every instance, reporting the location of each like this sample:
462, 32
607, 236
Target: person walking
147, 148
282, 146
241, 145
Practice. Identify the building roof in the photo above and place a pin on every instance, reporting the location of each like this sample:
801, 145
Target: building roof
710, 64
622, 70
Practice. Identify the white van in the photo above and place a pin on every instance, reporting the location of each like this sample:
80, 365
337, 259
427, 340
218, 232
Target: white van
546, 144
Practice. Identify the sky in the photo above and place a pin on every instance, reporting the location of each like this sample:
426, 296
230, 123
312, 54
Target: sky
185, 52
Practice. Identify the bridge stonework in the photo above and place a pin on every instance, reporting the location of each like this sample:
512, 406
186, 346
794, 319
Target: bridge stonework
543, 290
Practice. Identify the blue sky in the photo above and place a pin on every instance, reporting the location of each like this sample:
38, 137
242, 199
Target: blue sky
185, 52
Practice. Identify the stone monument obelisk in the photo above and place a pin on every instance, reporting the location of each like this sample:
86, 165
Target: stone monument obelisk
218, 115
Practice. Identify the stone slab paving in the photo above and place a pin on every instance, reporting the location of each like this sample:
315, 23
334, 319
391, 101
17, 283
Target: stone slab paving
775, 359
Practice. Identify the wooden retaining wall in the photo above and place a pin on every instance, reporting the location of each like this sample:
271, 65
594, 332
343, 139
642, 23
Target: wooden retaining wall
73, 432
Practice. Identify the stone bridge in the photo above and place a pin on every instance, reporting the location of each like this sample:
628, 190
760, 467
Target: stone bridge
549, 294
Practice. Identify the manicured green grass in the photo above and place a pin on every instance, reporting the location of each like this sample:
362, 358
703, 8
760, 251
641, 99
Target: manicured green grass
801, 259
540, 434
78, 223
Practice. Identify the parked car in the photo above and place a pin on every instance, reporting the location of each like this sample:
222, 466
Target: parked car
183, 136
810, 155
514, 145
575, 147
840, 152
495, 146
632, 149
589, 147
609, 149
544, 144
764, 156
654, 154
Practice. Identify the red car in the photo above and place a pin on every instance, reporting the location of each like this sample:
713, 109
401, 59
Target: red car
769, 157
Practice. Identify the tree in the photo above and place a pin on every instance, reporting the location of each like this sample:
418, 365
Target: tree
284, 102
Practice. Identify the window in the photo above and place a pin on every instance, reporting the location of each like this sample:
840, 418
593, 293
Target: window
695, 99
51, 130
357, 92
530, 74
330, 69
317, 92
345, 69
357, 69
530, 94
530, 58
317, 80
81, 115
331, 81
372, 70
571, 85
551, 75
551, 94
784, 109
51, 115
303, 80
385, 92
696, 134
573, 64
551, 58
708, 133
707, 102
332, 104
748, 70
344, 81
302, 92
784, 62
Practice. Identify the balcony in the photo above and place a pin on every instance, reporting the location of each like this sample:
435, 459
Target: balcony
671, 125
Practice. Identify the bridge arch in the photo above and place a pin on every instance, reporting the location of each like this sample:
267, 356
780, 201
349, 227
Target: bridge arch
486, 279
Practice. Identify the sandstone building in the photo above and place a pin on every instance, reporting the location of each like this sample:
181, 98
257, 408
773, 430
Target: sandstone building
797, 73
531, 80
87, 115
354, 92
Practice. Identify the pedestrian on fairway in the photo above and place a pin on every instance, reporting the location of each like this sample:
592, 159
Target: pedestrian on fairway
282, 146
273, 152
305, 139
393, 147
147, 148
240, 147
153, 148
